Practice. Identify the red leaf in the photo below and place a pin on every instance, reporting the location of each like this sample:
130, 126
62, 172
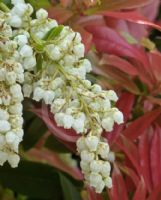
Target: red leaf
156, 194
53, 159
132, 16
119, 188
119, 63
130, 151
92, 195
137, 127
144, 152
124, 104
109, 41
140, 193
155, 157
131, 173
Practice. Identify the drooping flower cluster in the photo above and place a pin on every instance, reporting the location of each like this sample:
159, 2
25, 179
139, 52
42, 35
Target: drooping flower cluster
52, 56
11, 76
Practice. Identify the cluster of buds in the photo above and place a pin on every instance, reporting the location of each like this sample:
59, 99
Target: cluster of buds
11, 76
94, 161
55, 71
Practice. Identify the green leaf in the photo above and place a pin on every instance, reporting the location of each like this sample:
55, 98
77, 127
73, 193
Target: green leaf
54, 32
55, 145
34, 130
33, 180
39, 59
70, 192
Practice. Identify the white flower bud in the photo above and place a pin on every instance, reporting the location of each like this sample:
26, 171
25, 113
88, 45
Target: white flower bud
85, 166
53, 52
79, 50
92, 142
86, 156
29, 63
59, 119
4, 114
108, 182
95, 179
49, 96
3, 157
100, 187
10, 137
16, 109
41, 14
111, 156
58, 82
96, 88
81, 145
11, 77
112, 95
87, 65
68, 121
38, 94
2, 74
4, 126
57, 105
15, 21
27, 90
103, 150
105, 169
107, 124
95, 166
13, 160
118, 117
78, 125
26, 51
14, 2
21, 40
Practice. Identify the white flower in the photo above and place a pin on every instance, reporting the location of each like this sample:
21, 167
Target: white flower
3, 157
58, 82
95, 166
38, 94
111, 156
13, 160
48, 96
105, 169
29, 63
69, 60
16, 121
79, 50
81, 145
85, 166
11, 77
57, 104
107, 124
87, 156
4, 126
21, 40
53, 52
41, 14
19, 9
68, 121
78, 125
103, 150
108, 182
59, 119
26, 51
96, 88
10, 137
27, 90
2, 74
15, 90
16, 109
87, 65
100, 187
92, 142
4, 114
118, 117
15, 21
112, 95
95, 179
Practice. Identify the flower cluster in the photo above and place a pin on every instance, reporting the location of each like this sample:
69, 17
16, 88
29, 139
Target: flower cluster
94, 161
11, 76
55, 71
